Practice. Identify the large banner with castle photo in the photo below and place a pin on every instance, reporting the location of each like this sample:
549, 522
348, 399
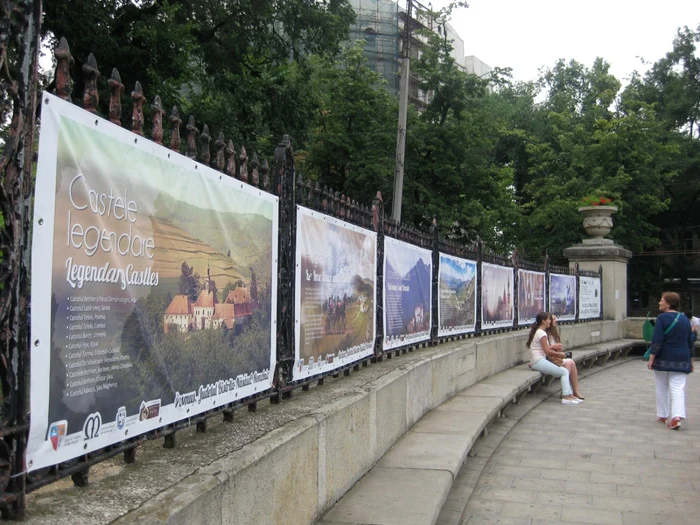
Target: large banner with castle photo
530, 296
153, 287
497, 296
335, 293
408, 278
562, 296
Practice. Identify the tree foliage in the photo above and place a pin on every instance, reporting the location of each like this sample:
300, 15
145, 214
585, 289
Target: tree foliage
502, 161
189, 282
352, 135
238, 66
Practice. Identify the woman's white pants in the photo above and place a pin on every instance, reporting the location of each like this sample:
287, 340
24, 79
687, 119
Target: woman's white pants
670, 394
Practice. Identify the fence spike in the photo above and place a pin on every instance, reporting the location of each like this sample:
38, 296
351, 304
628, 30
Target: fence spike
175, 122
64, 60
336, 203
220, 146
157, 109
205, 140
137, 113
343, 214
91, 98
115, 100
266, 175
243, 158
192, 139
325, 205
309, 194
231, 159
254, 177
317, 195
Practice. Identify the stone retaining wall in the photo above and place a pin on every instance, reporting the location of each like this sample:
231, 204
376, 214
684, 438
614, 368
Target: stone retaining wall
293, 474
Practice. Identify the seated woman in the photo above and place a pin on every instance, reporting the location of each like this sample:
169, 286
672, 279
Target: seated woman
538, 343
555, 344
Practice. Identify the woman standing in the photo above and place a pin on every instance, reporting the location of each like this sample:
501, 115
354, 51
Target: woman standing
555, 344
671, 359
538, 343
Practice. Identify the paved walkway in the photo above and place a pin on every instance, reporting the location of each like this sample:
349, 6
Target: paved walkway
606, 461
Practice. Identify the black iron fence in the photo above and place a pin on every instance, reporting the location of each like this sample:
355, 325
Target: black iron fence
233, 161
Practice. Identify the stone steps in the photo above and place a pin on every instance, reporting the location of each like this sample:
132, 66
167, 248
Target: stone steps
412, 481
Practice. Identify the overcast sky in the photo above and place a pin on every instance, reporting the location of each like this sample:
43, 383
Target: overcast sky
528, 34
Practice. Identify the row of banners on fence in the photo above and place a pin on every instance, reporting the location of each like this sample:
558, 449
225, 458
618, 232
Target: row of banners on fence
154, 289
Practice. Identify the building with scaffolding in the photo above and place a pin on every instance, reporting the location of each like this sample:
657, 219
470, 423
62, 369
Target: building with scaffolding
377, 23
382, 25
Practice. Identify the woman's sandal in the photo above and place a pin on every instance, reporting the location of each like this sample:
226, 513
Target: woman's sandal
675, 423
662, 419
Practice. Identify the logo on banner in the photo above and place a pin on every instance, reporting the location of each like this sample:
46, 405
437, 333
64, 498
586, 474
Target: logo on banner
121, 417
91, 428
149, 410
57, 432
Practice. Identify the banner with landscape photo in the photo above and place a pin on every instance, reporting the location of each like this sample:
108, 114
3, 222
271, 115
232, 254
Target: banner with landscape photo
589, 297
457, 296
530, 296
562, 296
496, 296
408, 273
335, 293
153, 287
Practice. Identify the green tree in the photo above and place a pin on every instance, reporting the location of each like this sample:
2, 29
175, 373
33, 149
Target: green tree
582, 139
672, 88
189, 282
352, 138
237, 66
253, 286
451, 170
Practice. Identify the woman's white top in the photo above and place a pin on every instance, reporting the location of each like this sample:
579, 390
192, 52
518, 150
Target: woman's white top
536, 350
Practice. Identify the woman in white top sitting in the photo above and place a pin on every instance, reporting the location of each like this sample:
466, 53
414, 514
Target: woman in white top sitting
538, 343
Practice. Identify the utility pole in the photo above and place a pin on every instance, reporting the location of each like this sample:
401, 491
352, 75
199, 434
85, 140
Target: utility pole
403, 111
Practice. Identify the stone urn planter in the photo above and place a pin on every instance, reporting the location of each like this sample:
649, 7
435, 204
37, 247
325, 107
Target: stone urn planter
597, 220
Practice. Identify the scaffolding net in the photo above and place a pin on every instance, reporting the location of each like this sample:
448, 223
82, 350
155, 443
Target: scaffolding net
377, 23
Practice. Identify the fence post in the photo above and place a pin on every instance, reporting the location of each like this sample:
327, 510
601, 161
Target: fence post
435, 241
21, 28
479, 273
378, 225
600, 273
546, 282
577, 316
516, 289
284, 185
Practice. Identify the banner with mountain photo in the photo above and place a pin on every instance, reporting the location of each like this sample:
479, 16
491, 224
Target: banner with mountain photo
407, 293
457, 296
496, 296
530, 295
153, 287
335, 293
589, 297
562, 296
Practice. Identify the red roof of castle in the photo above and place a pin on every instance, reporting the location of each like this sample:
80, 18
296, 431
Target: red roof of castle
180, 305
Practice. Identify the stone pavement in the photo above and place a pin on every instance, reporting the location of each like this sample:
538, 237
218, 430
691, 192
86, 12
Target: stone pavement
605, 461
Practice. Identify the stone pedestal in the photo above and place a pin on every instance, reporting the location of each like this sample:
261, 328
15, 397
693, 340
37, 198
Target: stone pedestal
594, 253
